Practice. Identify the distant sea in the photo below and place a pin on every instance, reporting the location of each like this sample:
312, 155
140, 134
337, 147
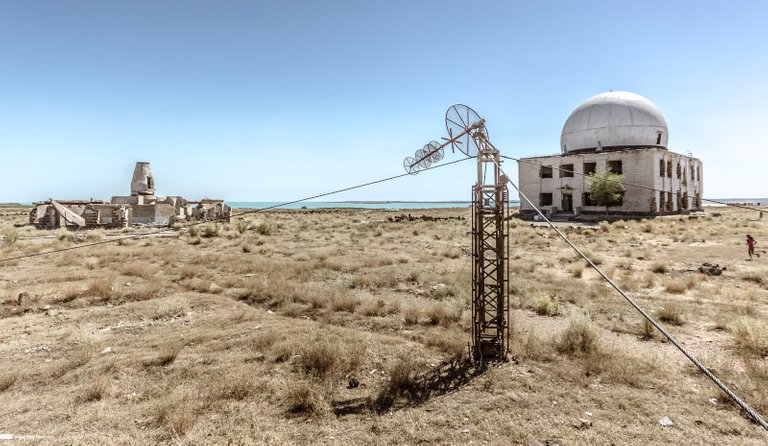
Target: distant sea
416, 204
355, 204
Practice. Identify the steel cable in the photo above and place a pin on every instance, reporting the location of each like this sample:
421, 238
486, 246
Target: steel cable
741, 403
253, 211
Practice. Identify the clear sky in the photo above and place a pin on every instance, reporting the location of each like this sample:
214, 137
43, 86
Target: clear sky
258, 101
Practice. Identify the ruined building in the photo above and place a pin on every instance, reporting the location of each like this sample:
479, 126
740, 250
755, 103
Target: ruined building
141, 207
624, 133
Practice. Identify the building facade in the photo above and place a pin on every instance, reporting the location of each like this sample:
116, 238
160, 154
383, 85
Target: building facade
620, 132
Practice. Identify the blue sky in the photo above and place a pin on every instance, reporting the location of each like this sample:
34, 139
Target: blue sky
249, 100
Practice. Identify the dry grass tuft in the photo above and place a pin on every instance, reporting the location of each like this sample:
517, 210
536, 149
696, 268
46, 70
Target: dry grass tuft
75, 360
671, 313
659, 268
304, 397
101, 289
751, 336
94, 391
210, 230
235, 386
139, 270
7, 380
755, 278
680, 285
166, 356
403, 379
411, 314
265, 229
344, 302
580, 338
178, 416
327, 359
547, 307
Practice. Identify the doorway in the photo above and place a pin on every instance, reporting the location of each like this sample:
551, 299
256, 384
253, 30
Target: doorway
567, 203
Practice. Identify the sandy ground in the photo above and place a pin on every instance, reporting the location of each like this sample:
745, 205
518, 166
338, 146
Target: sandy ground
252, 332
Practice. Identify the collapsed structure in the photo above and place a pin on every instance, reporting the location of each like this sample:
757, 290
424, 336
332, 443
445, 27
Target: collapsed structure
620, 132
141, 207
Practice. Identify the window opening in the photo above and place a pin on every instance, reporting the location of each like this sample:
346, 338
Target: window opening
590, 168
545, 199
546, 172
566, 171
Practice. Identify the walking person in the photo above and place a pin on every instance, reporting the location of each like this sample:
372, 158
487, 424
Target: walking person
751, 247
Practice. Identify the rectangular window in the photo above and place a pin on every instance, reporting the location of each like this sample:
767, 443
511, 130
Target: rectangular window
546, 172
679, 171
669, 169
698, 174
586, 200
662, 201
614, 166
566, 170
691, 169
661, 168
545, 199
590, 168
669, 201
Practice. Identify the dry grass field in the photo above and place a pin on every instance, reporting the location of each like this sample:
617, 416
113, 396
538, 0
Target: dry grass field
256, 332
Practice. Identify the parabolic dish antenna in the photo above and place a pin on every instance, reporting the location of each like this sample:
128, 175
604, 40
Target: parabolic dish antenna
462, 119
434, 148
411, 166
466, 131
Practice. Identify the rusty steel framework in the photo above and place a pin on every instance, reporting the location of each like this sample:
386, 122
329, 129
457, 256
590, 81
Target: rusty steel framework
490, 228
490, 269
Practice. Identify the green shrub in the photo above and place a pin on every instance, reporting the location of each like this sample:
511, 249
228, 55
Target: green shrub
10, 237
580, 338
210, 230
547, 307
265, 229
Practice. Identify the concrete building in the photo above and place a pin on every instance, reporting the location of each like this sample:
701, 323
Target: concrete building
142, 207
620, 132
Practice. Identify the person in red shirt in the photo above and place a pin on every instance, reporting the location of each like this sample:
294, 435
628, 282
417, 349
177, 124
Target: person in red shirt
751, 247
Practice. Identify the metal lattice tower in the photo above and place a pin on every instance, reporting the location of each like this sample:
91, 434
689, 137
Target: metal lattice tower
490, 228
490, 273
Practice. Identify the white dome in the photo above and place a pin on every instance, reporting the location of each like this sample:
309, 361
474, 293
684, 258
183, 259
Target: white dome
615, 119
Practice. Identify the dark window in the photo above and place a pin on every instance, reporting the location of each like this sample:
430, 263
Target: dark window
620, 202
662, 201
658, 139
614, 166
150, 183
669, 201
590, 168
679, 171
692, 176
669, 169
566, 170
545, 199
661, 168
587, 201
546, 171
698, 174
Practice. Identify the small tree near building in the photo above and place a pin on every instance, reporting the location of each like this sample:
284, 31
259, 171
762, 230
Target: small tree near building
606, 188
